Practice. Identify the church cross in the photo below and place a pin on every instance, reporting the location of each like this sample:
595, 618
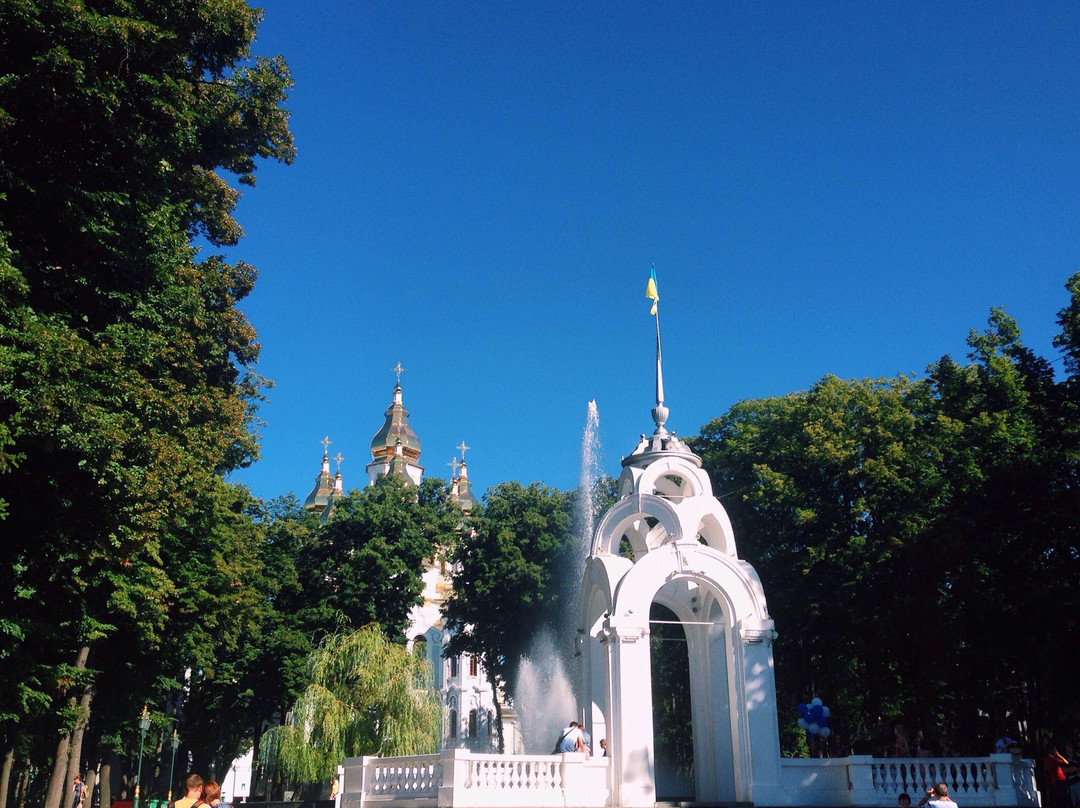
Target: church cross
398, 369
463, 447
325, 442
453, 464
338, 458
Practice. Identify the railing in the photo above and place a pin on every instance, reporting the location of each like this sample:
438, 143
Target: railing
974, 782
967, 777
465, 779
417, 777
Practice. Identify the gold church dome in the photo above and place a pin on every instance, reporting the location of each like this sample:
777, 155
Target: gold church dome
395, 430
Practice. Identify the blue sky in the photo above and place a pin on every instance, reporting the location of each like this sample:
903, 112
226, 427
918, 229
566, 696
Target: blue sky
481, 189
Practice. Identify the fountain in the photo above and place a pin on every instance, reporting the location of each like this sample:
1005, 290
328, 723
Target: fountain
544, 698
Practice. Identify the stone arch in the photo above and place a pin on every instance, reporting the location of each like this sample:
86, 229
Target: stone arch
733, 581
720, 602
646, 520
673, 478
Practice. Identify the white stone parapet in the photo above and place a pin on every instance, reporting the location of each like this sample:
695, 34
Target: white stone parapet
459, 778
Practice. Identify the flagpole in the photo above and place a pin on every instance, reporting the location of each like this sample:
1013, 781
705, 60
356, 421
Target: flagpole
659, 412
659, 371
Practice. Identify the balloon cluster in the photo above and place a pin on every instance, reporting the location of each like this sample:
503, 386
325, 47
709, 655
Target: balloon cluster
814, 718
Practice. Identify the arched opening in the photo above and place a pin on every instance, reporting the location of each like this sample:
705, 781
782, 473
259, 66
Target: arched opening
673, 736
453, 723
472, 723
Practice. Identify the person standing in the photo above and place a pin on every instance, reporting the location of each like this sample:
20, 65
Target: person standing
193, 795
77, 792
212, 795
1055, 764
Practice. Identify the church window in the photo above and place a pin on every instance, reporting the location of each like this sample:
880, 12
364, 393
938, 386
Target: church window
472, 723
453, 723
453, 666
472, 665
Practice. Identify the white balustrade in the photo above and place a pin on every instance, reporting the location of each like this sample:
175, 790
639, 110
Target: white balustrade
465, 779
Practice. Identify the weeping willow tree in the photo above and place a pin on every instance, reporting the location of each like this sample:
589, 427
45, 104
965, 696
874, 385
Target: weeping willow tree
366, 696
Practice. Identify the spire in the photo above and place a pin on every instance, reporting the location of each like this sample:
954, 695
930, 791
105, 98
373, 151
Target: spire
321, 494
460, 487
661, 440
337, 477
395, 448
659, 412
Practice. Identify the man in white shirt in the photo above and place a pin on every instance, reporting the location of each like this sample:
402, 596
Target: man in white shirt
572, 739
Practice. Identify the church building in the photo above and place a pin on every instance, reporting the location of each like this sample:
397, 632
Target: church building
468, 700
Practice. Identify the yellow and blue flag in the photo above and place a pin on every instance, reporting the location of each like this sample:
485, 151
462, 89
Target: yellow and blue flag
650, 290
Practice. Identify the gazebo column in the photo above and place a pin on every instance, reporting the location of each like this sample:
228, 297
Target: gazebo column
758, 683
630, 727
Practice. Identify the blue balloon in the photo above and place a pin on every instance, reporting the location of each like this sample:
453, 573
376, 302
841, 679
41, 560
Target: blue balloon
804, 710
815, 712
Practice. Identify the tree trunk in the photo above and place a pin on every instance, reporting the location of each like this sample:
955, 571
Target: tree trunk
55, 794
24, 785
105, 785
90, 781
75, 753
5, 774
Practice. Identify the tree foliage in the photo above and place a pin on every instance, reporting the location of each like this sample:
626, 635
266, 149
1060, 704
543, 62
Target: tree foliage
365, 696
907, 531
364, 566
510, 576
126, 382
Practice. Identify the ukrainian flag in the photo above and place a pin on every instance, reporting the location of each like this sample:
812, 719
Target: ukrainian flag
650, 290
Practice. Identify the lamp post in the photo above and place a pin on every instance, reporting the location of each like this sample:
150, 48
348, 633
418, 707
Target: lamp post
144, 725
174, 742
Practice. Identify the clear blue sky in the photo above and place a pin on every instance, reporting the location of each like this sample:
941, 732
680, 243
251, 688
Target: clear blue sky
481, 189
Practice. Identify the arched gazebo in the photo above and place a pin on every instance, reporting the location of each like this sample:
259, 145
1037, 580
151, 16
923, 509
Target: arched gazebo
668, 540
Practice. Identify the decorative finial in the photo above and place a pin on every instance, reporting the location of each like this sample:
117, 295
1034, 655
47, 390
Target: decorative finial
659, 412
398, 369
325, 443
338, 458
453, 464
462, 447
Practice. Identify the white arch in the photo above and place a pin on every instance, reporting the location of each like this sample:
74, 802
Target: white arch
658, 477
733, 580
627, 518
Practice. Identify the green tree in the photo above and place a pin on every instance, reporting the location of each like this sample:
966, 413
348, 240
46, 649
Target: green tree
365, 696
824, 488
909, 530
509, 579
365, 564
125, 385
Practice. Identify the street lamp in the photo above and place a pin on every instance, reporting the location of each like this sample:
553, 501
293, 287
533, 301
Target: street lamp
174, 742
144, 725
